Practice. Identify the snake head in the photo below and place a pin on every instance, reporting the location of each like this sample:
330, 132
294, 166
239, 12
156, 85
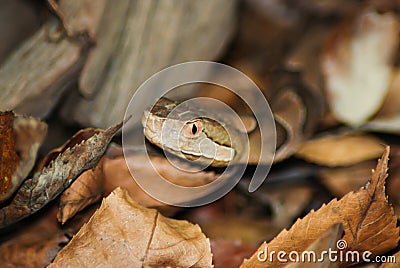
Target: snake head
197, 138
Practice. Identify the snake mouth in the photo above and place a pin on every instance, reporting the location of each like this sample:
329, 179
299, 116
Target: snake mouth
204, 159
200, 160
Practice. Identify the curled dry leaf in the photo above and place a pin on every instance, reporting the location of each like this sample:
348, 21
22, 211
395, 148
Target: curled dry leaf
117, 174
20, 139
82, 154
367, 217
290, 113
341, 150
124, 234
87, 189
297, 109
357, 65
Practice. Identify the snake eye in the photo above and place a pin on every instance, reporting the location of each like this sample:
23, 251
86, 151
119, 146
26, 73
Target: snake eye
193, 129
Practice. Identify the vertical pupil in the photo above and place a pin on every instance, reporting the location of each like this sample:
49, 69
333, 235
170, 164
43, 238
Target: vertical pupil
194, 129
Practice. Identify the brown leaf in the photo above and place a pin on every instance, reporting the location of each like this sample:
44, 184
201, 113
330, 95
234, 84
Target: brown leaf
341, 150
124, 234
117, 175
326, 241
368, 220
76, 139
55, 177
357, 65
20, 138
304, 59
290, 114
87, 189
35, 245
341, 181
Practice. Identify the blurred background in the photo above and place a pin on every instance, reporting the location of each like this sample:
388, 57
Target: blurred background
76, 64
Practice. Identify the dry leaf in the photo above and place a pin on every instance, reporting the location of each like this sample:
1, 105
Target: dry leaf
76, 139
341, 181
357, 65
39, 239
124, 234
87, 189
117, 175
20, 139
56, 176
368, 220
303, 59
290, 113
341, 150
35, 245
326, 241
